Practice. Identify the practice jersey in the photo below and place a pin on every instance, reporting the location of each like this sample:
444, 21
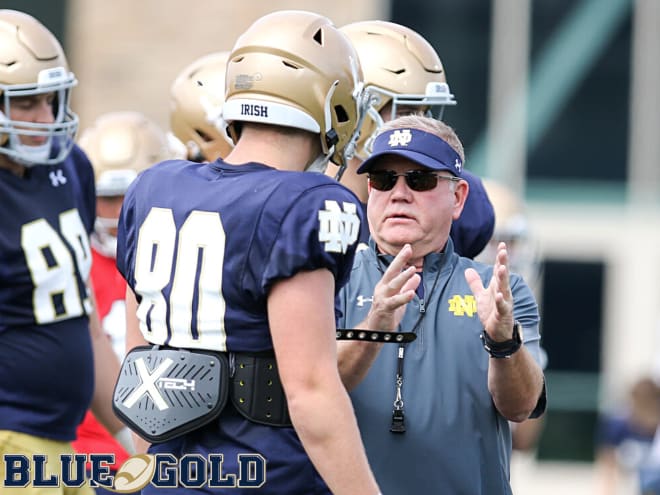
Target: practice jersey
455, 440
201, 245
47, 375
110, 293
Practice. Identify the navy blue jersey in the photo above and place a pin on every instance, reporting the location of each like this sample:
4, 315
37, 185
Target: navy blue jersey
201, 245
46, 377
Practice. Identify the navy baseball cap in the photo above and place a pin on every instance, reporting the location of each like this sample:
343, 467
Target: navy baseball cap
421, 147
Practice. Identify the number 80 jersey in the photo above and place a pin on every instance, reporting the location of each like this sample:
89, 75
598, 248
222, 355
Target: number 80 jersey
201, 245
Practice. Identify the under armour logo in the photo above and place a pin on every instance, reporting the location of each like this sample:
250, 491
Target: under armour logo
400, 137
458, 165
148, 385
338, 229
361, 300
57, 177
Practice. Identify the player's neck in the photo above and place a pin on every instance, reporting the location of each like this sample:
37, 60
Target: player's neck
281, 150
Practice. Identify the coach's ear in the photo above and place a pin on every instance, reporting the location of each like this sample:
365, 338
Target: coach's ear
461, 191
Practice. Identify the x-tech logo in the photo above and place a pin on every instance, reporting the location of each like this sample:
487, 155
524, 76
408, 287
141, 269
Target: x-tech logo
148, 385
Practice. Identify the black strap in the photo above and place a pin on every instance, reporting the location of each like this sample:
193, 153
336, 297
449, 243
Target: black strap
256, 390
504, 349
375, 335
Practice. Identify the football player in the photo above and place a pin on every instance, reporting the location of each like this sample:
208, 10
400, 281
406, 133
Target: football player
403, 74
243, 257
197, 95
53, 349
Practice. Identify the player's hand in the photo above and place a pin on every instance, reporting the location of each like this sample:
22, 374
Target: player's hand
395, 289
495, 302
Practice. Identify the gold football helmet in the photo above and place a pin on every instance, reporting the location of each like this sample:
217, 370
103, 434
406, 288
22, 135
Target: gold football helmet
120, 145
198, 94
296, 69
400, 68
32, 62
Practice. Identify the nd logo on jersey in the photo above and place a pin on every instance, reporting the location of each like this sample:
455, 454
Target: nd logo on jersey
338, 229
463, 305
161, 470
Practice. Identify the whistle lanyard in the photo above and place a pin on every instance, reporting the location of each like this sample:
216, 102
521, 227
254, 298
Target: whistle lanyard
398, 418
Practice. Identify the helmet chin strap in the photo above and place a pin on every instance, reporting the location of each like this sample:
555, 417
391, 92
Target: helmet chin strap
328, 136
369, 143
351, 149
320, 163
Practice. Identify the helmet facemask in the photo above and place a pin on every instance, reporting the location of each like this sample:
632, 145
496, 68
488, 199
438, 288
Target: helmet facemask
59, 135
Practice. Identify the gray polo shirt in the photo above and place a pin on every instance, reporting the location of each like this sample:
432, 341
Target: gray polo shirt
455, 442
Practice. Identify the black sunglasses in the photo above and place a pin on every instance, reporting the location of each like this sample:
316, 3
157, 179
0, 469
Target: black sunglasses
417, 180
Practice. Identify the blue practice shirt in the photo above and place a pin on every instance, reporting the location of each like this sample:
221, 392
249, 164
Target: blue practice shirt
456, 441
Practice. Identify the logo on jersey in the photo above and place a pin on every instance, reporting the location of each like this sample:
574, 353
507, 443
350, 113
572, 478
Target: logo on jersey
338, 228
400, 138
463, 305
361, 300
57, 177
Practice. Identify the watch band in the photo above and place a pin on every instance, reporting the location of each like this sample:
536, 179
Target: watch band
506, 348
375, 335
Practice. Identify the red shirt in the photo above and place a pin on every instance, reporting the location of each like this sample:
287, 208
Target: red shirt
109, 290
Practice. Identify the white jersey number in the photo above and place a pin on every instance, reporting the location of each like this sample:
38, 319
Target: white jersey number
196, 305
57, 294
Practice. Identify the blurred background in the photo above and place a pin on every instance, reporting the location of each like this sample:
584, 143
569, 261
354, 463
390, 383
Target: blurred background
557, 99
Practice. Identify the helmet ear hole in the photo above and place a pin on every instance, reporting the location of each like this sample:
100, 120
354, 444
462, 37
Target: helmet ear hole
318, 37
341, 114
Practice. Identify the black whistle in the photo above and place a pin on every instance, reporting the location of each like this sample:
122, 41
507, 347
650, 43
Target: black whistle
397, 425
